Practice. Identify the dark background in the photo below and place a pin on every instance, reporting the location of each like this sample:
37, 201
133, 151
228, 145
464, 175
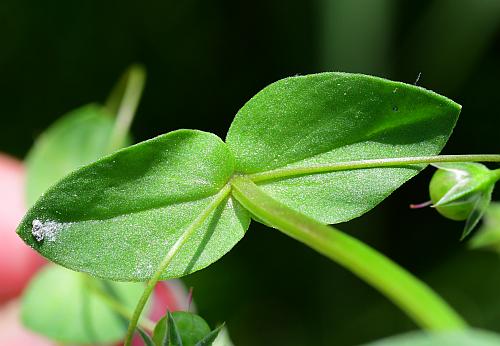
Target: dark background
204, 60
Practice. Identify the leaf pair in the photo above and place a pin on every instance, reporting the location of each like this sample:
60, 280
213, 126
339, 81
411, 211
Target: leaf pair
116, 218
181, 329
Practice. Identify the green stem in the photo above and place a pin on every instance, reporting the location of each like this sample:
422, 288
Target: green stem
123, 103
363, 164
414, 297
197, 223
114, 304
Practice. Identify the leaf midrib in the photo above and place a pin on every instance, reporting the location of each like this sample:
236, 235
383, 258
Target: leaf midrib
369, 137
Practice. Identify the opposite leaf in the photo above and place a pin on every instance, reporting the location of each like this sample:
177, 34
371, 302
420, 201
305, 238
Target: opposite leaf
79, 138
116, 218
59, 304
327, 118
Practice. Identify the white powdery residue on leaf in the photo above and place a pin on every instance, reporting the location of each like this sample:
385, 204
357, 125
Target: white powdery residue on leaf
47, 230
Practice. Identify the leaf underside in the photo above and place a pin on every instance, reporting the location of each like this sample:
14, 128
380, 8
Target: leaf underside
117, 217
336, 117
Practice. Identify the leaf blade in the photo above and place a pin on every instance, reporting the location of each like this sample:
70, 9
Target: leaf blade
336, 117
117, 217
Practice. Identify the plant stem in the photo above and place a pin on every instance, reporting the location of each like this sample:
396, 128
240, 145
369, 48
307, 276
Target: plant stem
198, 222
414, 297
123, 103
114, 304
363, 164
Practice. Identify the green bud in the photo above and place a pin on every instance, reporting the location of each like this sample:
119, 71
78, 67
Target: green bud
462, 191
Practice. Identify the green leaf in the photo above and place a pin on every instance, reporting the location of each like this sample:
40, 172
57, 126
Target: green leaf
145, 337
192, 329
172, 337
209, 339
116, 218
58, 304
488, 236
453, 338
78, 138
303, 122
160, 332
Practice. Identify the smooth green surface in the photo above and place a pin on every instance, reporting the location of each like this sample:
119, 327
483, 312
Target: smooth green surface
79, 138
117, 217
59, 305
413, 296
469, 337
191, 327
335, 117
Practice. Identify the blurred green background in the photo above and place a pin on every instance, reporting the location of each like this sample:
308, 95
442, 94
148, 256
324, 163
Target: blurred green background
204, 60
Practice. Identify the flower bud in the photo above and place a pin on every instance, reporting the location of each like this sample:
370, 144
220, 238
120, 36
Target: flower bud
462, 191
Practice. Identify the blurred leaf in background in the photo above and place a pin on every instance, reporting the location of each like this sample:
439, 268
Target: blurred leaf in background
59, 304
80, 137
84, 135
